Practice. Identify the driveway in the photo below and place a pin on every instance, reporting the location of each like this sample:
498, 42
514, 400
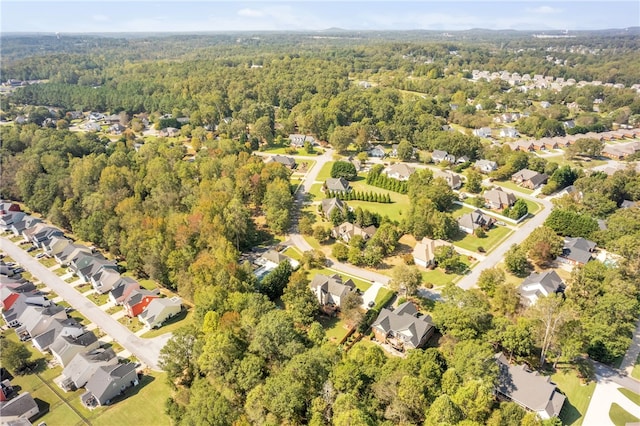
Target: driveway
605, 394
370, 295
146, 350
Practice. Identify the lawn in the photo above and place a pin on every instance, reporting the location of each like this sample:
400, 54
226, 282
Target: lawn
48, 262
144, 283
303, 167
183, 319
293, 253
71, 279
631, 395
335, 329
636, 369
493, 238
112, 310
578, 396
282, 150
457, 210
132, 324
325, 172
438, 278
315, 193
99, 299
143, 405
62, 271
382, 293
513, 186
621, 417
532, 206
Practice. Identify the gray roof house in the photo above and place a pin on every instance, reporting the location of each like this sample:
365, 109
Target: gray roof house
123, 289
328, 204
331, 290
288, 162
107, 383
540, 285
15, 305
483, 132
76, 374
577, 251
22, 406
7, 218
27, 221
56, 245
88, 265
36, 319
452, 179
347, 231
499, 199
403, 328
377, 151
105, 280
528, 389
70, 253
509, 132
65, 348
160, 310
438, 156
298, 140
337, 185
476, 219
58, 328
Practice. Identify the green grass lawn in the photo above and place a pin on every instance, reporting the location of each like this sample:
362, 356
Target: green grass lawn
112, 310
61, 271
132, 324
578, 396
282, 150
293, 253
71, 279
631, 395
144, 283
493, 238
620, 417
635, 373
183, 319
303, 167
459, 210
532, 206
335, 329
48, 261
315, 193
16, 238
382, 293
438, 277
325, 171
99, 299
513, 186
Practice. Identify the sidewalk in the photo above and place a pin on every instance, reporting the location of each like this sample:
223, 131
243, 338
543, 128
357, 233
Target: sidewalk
632, 353
605, 394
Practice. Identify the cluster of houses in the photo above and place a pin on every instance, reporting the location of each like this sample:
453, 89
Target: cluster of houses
51, 331
16, 408
526, 82
91, 267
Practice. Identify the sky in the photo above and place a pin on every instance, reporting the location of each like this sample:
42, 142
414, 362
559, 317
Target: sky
82, 16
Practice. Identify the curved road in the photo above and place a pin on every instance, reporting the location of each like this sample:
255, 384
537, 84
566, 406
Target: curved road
146, 350
467, 282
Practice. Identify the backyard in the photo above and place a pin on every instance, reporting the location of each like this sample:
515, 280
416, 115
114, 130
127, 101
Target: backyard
470, 242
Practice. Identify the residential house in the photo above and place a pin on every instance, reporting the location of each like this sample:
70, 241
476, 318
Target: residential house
298, 140
123, 289
463, 159
13, 310
424, 252
540, 285
55, 245
40, 235
528, 389
577, 251
437, 156
91, 127
331, 290
86, 266
105, 280
347, 231
116, 129
35, 320
169, 132
22, 407
329, 204
160, 310
7, 218
356, 163
620, 151
403, 328
111, 119
56, 329
96, 116
288, 162
399, 171
524, 146
377, 151
84, 365
65, 348
499, 199
509, 132
138, 300
483, 132
486, 166
71, 253
627, 204
569, 124
476, 219
529, 178
452, 179
107, 383
337, 185
545, 104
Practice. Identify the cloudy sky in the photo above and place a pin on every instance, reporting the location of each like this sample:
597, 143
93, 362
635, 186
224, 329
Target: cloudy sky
212, 15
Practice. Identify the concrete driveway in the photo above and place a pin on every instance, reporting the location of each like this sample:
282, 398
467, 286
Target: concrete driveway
370, 295
605, 394
146, 350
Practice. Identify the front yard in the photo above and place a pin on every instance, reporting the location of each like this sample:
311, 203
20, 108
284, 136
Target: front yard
578, 395
513, 186
493, 238
183, 319
132, 324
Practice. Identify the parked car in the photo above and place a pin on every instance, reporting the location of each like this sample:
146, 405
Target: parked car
18, 270
30, 249
40, 255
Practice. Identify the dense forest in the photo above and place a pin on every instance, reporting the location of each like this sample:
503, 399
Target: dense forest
256, 353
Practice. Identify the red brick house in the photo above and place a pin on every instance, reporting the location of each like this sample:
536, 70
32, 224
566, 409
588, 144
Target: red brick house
138, 301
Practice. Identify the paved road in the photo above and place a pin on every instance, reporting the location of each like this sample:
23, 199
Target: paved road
630, 357
493, 258
146, 350
616, 376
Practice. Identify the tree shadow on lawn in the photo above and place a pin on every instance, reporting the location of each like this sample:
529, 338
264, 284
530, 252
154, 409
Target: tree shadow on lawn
134, 390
